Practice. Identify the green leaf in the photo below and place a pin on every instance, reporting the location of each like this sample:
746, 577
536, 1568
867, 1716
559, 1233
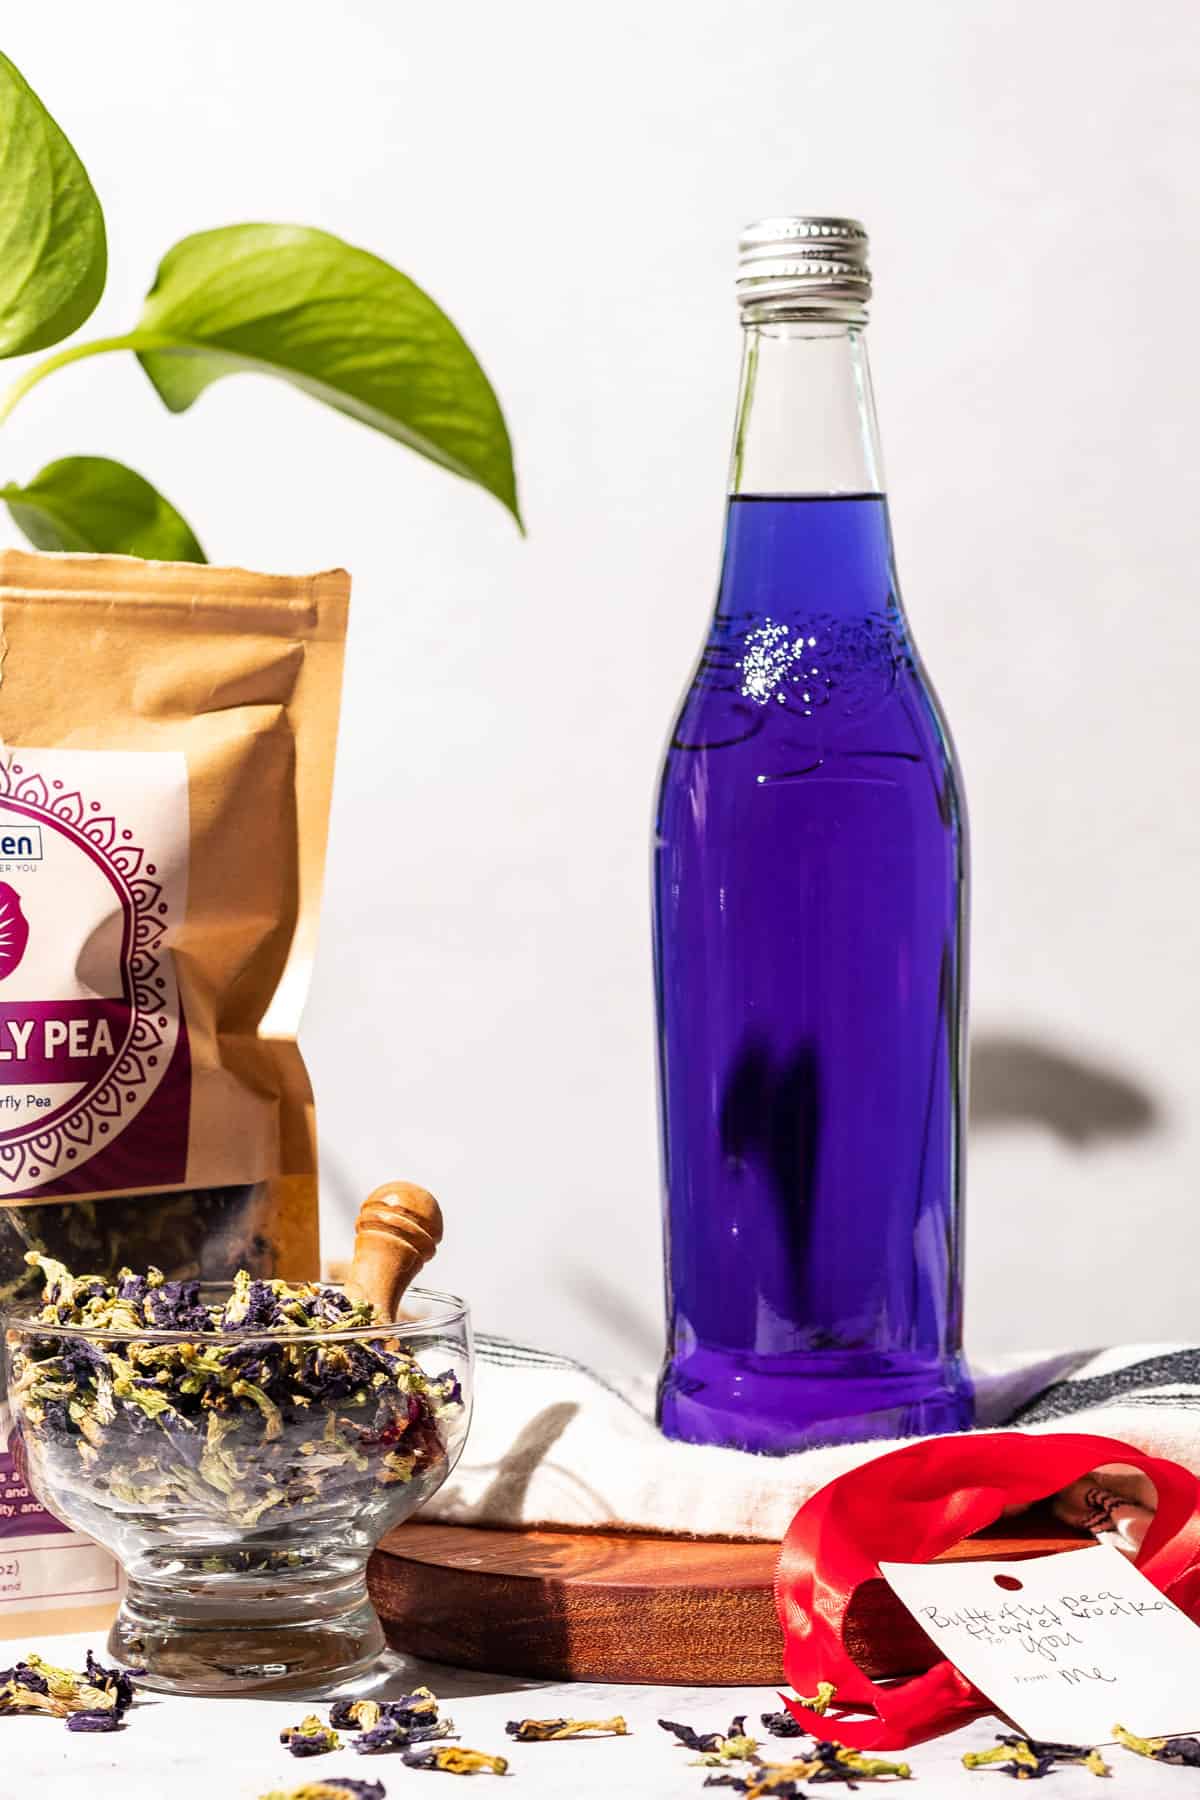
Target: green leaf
93, 503
53, 255
336, 321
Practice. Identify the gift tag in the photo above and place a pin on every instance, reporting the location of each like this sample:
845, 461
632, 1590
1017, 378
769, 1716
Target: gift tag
1065, 1646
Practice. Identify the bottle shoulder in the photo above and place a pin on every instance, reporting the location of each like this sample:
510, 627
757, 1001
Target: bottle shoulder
806, 702
815, 672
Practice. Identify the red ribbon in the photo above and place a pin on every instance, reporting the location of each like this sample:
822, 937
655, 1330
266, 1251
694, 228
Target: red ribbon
909, 1506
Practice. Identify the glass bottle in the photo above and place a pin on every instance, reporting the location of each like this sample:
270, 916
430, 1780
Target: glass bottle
810, 890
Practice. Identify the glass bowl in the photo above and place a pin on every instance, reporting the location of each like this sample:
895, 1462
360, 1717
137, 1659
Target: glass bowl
242, 1510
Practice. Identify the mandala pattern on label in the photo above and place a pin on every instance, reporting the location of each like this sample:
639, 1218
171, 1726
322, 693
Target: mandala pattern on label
36, 1153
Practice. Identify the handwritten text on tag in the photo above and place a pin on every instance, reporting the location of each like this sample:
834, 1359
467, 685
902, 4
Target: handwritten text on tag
1066, 1646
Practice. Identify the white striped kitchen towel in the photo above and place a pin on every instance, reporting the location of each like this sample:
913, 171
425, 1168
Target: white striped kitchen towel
553, 1443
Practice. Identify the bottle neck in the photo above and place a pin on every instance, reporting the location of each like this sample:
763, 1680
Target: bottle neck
806, 414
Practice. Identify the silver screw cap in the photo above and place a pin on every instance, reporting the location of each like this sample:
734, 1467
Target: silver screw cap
804, 264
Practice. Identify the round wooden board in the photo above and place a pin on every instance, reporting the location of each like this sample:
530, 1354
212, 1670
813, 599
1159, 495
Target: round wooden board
603, 1606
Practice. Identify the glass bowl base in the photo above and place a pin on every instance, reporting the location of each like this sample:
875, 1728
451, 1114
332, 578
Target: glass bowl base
220, 1649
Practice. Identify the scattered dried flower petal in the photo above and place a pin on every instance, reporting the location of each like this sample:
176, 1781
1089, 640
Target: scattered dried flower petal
716, 1746
822, 1699
355, 1715
1184, 1750
543, 1731
391, 1734
101, 1696
310, 1737
782, 1725
391, 1724
452, 1759
1031, 1759
825, 1763
779, 1780
387, 1735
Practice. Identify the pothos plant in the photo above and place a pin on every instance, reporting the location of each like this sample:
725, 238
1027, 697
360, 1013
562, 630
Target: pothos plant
282, 300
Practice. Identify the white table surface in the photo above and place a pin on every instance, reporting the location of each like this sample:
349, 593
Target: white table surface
181, 1749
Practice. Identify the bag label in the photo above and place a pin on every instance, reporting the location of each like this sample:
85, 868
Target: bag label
22, 1514
1067, 1646
56, 1576
93, 877
42, 1560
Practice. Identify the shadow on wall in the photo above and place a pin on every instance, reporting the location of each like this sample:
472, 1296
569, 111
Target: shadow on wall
1019, 1080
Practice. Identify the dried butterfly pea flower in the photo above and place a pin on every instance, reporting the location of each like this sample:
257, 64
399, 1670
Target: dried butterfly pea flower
95, 1721
34, 1685
779, 1780
393, 1734
252, 1562
453, 1760
1046, 1750
310, 1737
782, 1725
25, 1688
119, 1681
837, 1763
542, 1731
732, 1749
1012, 1758
417, 1708
1181, 1750
690, 1738
391, 1724
333, 1787
1030, 1759
825, 1763
724, 1746
820, 1701
355, 1715
385, 1736
1184, 1750
234, 1429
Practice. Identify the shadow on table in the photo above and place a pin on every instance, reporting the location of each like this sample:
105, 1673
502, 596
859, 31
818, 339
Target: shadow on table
401, 1674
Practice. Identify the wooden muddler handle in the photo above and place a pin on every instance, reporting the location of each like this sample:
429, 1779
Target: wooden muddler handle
399, 1228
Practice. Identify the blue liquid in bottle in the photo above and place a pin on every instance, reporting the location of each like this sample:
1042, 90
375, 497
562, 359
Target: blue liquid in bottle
810, 871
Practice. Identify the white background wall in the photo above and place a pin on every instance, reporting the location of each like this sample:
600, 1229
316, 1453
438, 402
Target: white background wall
569, 182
